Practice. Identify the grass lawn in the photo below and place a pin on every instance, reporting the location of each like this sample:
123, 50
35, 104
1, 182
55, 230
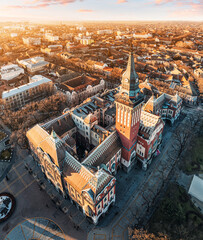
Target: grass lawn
177, 217
2, 135
194, 159
5, 154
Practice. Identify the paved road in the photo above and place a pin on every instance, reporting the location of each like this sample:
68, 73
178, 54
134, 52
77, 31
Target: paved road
4, 166
32, 202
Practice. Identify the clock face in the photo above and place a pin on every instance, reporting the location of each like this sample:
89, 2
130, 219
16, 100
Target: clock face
126, 80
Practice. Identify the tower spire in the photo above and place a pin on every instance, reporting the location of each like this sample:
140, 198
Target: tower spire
128, 110
130, 81
131, 45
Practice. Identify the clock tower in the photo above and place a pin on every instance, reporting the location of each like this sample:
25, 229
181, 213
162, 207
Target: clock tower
128, 110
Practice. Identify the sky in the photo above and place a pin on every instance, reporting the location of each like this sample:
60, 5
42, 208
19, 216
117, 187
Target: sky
98, 10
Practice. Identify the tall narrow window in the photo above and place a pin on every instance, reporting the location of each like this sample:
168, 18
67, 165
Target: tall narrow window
128, 123
125, 117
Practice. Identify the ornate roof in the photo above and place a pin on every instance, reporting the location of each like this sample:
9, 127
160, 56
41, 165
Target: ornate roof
50, 144
130, 81
83, 178
80, 176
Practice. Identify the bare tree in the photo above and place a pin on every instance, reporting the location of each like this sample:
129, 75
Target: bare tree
181, 136
141, 234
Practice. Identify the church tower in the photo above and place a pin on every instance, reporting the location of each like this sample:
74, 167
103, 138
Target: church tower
128, 110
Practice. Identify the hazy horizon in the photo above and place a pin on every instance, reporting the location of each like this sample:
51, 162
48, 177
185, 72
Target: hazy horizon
101, 10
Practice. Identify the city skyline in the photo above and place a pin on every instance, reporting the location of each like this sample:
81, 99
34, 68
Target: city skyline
91, 10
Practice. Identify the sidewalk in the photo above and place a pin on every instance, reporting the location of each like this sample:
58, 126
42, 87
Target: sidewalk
7, 130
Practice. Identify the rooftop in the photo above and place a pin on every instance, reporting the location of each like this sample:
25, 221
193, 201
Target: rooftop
84, 110
148, 122
24, 87
78, 83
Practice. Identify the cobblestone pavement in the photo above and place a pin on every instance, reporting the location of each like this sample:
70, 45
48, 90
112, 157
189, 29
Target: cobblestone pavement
36, 228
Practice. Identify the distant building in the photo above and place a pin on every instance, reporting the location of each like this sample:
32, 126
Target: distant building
106, 31
80, 88
18, 97
65, 55
52, 49
32, 41
34, 64
107, 71
81, 28
142, 35
11, 71
86, 41
14, 35
96, 65
15, 27
198, 72
50, 37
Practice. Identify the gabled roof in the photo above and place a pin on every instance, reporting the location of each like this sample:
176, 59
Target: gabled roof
83, 178
80, 176
105, 151
151, 104
60, 125
50, 144
176, 99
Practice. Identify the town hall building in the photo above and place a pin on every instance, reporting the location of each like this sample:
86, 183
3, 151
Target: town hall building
81, 151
